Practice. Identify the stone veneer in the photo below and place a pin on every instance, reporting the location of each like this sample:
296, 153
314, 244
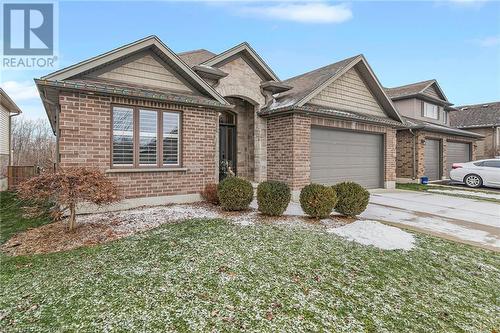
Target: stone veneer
85, 140
404, 163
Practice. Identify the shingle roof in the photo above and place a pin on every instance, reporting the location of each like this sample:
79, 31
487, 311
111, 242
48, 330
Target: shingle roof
409, 89
431, 127
305, 83
477, 115
196, 57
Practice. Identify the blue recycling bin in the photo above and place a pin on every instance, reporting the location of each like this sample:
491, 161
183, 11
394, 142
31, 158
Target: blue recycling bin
424, 180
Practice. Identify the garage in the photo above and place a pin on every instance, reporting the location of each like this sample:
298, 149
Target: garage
432, 153
458, 152
338, 155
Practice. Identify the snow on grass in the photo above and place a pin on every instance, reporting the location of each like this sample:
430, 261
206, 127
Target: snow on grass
466, 193
377, 234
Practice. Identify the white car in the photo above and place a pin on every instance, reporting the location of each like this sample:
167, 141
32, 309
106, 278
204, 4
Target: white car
477, 173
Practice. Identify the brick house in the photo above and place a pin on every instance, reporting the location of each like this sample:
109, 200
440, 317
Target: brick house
160, 123
483, 119
428, 146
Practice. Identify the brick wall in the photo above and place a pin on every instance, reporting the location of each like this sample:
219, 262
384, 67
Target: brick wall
487, 148
289, 140
405, 151
85, 140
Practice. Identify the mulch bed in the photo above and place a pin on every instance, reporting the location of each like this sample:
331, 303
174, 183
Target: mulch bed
101, 228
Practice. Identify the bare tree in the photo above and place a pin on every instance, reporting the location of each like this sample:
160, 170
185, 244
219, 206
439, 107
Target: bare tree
33, 142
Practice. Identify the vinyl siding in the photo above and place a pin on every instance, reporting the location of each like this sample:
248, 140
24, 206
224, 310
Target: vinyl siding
4, 131
349, 93
432, 91
413, 108
144, 69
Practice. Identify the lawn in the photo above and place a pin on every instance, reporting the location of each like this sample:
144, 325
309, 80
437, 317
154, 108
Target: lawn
213, 275
12, 221
476, 194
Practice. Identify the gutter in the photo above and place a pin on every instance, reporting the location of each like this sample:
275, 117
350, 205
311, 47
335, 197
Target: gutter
310, 112
130, 92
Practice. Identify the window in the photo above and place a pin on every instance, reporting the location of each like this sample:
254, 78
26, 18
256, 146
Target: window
148, 130
431, 111
445, 117
491, 163
171, 138
123, 136
145, 138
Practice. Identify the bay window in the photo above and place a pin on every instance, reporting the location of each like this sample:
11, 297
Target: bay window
145, 137
431, 111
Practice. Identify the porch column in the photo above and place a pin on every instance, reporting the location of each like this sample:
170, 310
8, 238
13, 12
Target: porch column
260, 147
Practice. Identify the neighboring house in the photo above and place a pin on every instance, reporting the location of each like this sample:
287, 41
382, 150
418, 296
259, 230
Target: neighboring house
483, 119
428, 146
7, 109
159, 123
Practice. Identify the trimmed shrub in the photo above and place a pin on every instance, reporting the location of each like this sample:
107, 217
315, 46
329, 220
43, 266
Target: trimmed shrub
235, 193
318, 200
210, 193
273, 197
352, 198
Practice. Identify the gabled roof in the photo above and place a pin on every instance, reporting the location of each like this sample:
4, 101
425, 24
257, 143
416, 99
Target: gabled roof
249, 52
151, 42
415, 90
431, 127
476, 115
308, 85
8, 103
196, 57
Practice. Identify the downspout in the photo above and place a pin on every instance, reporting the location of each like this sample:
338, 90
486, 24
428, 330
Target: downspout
414, 153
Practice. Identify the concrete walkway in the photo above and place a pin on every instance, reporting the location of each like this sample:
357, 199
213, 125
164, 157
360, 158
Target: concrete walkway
466, 220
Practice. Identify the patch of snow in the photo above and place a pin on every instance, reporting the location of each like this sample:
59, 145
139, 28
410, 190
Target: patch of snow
377, 234
470, 193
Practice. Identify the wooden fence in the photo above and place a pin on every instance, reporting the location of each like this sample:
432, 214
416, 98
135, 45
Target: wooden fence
18, 173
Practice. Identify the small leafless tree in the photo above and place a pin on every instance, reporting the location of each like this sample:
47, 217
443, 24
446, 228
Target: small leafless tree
68, 187
33, 142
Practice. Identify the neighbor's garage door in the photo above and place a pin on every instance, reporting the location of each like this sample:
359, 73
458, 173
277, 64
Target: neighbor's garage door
458, 152
431, 159
338, 156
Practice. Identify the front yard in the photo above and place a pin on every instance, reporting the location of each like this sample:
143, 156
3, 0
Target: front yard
217, 275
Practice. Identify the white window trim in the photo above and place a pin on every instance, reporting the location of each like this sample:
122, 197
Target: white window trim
425, 109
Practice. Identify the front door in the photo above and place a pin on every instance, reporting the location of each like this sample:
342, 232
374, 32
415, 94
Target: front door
227, 143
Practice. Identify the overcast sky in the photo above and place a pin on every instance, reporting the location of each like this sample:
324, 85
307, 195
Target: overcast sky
456, 42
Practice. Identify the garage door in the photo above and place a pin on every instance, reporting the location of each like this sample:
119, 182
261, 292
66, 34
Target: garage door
431, 159
458, 152
338, 156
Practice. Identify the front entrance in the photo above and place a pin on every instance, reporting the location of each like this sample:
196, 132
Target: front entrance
227, 144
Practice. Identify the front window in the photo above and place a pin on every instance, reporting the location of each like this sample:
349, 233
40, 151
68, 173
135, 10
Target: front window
123, 136
145, 138
431, 111
445, 117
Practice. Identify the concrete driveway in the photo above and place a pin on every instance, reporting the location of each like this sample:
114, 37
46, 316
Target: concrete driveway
465, 220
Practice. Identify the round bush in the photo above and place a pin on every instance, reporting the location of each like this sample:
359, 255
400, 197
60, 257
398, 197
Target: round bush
235, 193
352, 198
273, 197
317, 200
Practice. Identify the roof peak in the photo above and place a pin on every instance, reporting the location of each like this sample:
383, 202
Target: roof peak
195, 51
412, 84
324, 67
485, 104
